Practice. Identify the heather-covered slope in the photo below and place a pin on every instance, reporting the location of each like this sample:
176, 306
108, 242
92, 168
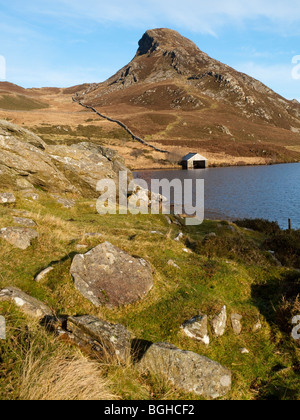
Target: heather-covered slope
175, 94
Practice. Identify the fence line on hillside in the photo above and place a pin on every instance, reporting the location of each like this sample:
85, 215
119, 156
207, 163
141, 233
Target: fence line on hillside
121, 125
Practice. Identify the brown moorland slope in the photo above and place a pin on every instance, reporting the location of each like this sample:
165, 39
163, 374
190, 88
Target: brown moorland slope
176, 95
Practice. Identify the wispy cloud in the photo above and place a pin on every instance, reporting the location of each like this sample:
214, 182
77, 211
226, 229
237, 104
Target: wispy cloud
196, 15
46, 41
278, 75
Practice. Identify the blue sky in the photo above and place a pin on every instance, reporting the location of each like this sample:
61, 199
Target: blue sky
67, 42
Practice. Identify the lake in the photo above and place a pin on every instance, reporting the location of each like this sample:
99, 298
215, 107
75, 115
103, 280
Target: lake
269, 192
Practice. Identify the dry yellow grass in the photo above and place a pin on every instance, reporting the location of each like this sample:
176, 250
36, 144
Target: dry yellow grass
63, 379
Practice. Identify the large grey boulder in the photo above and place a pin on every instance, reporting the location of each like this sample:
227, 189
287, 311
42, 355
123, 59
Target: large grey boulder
19, 237
107, 275
197, 328
112, 339
27, 304
187, 371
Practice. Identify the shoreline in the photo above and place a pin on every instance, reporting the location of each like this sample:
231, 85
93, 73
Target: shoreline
215, 166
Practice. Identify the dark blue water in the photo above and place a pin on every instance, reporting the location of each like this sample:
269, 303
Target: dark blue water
269, 192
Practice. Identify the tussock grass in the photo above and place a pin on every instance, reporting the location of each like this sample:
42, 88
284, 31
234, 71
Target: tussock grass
61, 378
36, 366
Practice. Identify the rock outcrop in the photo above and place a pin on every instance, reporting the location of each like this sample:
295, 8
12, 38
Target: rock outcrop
106, 275
26, 162
187, 371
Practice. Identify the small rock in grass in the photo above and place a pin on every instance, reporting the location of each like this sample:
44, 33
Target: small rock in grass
219, 323
236, 323
179, 237
7, 198
257, 326
24, 222
173, 264
197, 328
43, 274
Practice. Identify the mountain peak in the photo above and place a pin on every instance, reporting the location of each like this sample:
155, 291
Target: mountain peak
164, 39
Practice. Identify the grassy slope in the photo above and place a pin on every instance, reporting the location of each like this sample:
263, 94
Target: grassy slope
20, 103
203, 285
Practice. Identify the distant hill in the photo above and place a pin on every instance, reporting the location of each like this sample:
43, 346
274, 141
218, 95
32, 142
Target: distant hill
16, 98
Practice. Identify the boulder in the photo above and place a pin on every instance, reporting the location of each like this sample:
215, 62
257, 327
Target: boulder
29, 305
21, 213
7, 198
19, 237
197, 328
113, 339
2, 328
236, 323
219, 323
147, 198
106, 275
187, 371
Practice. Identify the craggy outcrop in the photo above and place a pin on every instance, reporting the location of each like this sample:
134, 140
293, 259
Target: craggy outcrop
26, 161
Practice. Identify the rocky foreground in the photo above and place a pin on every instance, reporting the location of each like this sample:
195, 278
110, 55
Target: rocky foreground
27, 163
168, 311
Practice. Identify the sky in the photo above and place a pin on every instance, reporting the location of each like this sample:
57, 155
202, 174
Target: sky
63, 43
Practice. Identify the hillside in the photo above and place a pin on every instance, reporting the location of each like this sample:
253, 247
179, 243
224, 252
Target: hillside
175, 94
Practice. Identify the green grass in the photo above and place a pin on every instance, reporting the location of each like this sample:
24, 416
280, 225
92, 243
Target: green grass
216, 274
